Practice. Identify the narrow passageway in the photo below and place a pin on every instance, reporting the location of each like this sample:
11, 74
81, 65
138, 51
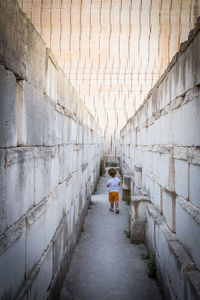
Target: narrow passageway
105, 265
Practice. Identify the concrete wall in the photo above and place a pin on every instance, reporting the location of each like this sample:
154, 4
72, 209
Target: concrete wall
50, 149
113, 51
161, 153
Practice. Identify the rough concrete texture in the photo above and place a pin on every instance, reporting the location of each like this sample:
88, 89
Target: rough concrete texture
48, 147
178, 275
8, 130
105, 265
137, 218
160, 151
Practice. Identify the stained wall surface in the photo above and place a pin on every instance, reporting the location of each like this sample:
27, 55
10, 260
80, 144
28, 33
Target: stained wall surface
161, 153
113, 51
50, 150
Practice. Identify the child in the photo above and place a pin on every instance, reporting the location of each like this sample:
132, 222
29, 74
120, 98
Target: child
113, 189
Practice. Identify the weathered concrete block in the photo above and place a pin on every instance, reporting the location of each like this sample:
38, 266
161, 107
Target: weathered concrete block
126, 182
8, 126
161, 94
191, 62
155, 163
55, 168
75, 158
181, 178
64, 90
65, 234
59, 123
65, 161
41, 226
35, 240
3, 213
49, 123
35, 58
22, 48
195, 185
19, 183
75, 183
149, 231
189, 228
138, 158
181, 153
68, 130
21, 124
175, 127
68, 196
58, 249
52, 218
71, 220
12, 266
172, 261
164, 129
79, 162
43, 279
60, 203
195, 48
180, 72
157, 196
148, 184
51, 80
64, 130
166, 171
168, 200
190, 134
73, 131
76, 211
34, 115
138, 178
147, 161
42, 173
143, 137
138, 218
193, 288
13, 36
157, 231
83, 196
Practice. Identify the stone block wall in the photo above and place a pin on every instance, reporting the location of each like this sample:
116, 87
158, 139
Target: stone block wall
113, 51
50, 150
161, 152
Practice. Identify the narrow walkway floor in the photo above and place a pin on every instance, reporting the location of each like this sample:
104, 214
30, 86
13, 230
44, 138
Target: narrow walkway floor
105, 265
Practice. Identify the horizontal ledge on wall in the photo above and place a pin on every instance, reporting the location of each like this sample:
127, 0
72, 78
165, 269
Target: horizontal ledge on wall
159, 219
14, 232
191, 209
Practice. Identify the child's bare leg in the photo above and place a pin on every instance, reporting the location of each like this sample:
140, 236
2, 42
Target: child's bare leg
111, 206
117, 206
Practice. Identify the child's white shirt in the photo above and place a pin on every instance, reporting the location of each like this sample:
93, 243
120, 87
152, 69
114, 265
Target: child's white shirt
113, 184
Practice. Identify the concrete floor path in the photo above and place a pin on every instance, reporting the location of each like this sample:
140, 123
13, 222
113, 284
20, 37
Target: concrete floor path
105, 265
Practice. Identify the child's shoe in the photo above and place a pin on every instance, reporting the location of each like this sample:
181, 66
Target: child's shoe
117, 211
111, 209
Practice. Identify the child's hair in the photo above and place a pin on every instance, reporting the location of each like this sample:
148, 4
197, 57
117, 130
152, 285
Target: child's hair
112, 172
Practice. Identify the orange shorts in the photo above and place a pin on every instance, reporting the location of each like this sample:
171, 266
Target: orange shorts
113, 197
